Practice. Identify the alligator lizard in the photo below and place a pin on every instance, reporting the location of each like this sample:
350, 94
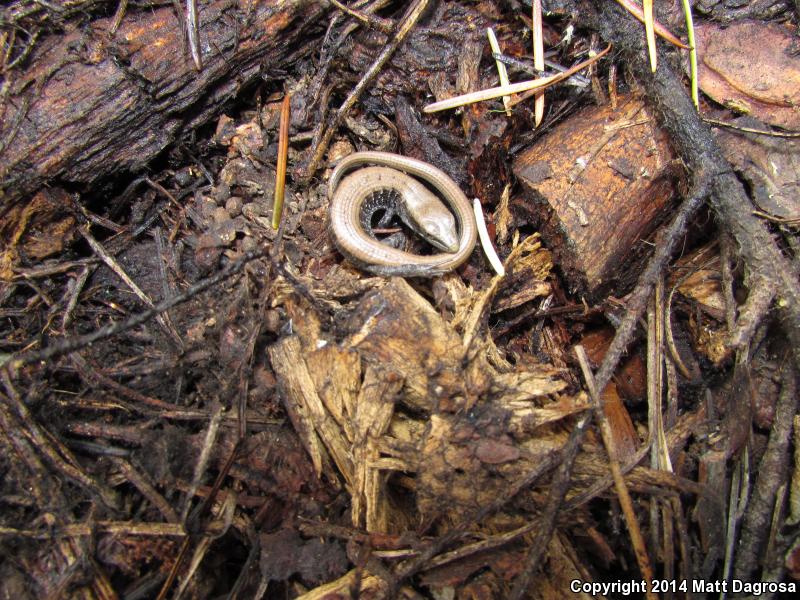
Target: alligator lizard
355, 197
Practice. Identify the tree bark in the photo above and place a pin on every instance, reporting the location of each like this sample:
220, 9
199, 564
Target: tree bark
93, 102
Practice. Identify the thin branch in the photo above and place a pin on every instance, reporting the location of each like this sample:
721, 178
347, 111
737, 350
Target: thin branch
406, 25
639, 547
67, 345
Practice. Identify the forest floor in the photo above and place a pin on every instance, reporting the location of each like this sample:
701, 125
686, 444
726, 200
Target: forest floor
205, 397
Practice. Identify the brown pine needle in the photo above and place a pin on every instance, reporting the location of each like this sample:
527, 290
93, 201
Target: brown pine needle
660, 30
283, 151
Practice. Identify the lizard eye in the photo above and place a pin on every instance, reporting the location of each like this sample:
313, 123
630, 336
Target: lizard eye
444, 235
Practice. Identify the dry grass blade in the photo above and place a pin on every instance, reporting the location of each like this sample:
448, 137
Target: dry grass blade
659, 456
514, 88
659, 29
283, 152
687, 10
538, 59
502, 73
193, 33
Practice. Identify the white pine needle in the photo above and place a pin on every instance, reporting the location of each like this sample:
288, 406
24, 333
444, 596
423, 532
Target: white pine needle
486, 243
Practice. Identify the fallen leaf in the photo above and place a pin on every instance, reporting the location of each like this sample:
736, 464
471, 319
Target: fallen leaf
749, 68
770, 165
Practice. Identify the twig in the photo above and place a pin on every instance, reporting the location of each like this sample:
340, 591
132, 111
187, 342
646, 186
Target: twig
54, 269
74, 291
668, 334
116, 528
249, 564
778, 134
142, 482
65, 346
768, 272
168, 287
59, 458
368, 19
771, 474
329, 49
558, 490
201, 512
202, 461
82, 211
726, 271
639, 547
539, 313
228, 504
422, 560
406, 24
143, 402
112, 264
577, 79
638, 298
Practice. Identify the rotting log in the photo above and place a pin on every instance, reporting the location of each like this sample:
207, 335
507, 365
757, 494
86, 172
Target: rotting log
93, 102
595, 210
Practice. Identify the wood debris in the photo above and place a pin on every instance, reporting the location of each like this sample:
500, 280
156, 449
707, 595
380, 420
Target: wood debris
602, 181
426, 405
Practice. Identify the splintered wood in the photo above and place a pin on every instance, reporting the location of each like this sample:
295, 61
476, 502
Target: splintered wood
403, 396
594, 211
422, 421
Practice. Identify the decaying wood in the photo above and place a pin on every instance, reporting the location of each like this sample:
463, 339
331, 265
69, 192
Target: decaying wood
94, 103
460, 431
414, 360
432, 419
603, 179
